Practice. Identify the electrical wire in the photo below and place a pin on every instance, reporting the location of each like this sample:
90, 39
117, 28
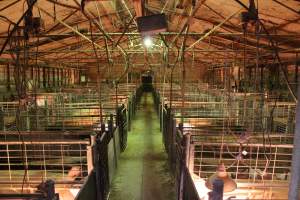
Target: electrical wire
35, 103
20, 83
10, 33
274, 48
98, 74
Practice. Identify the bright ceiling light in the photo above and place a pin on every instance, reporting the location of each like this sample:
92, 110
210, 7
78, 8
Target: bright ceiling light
148, 41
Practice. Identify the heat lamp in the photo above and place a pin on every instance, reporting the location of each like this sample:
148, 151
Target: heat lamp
229, 184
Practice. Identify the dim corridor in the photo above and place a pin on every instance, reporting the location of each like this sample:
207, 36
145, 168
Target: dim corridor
143, 172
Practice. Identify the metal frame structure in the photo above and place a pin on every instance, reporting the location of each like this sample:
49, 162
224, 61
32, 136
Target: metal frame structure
252, 134
53, 136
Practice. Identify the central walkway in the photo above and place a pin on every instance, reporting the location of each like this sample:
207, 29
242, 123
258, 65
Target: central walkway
143, 172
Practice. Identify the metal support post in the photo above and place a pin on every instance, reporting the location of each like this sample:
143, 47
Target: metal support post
53, 78
48, 77
2, 124
8, 77
295, 175
44, 78
38, 76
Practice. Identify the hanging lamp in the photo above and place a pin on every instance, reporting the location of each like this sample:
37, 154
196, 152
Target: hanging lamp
229, 184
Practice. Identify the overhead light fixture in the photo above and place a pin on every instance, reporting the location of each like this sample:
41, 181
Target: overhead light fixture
152, 24
148, 41
229, 184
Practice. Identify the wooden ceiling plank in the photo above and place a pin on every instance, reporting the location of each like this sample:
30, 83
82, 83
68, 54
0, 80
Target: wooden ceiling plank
64, 5
9, 5
286, 6
215, 28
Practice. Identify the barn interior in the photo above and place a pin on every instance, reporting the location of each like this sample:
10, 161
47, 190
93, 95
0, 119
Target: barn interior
149, 99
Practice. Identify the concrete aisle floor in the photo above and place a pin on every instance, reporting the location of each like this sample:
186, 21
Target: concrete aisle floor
143, 172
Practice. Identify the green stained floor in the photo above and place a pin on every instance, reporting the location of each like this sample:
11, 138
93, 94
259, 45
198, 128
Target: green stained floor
143, 172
